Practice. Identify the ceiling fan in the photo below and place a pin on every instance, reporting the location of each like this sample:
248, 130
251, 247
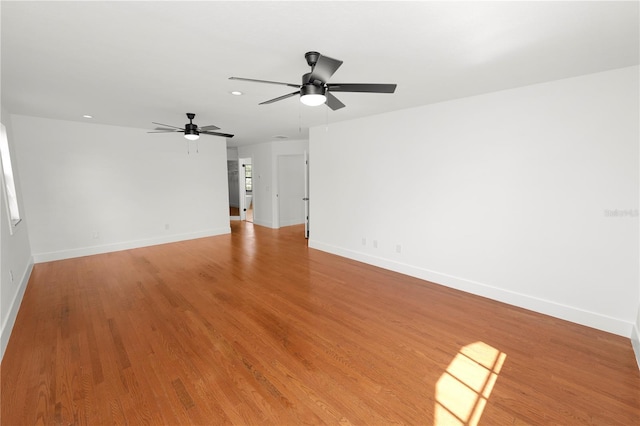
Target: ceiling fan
191, 131
315, 88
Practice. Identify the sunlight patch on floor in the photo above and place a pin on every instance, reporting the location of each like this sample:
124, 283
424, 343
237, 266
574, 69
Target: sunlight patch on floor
464, 388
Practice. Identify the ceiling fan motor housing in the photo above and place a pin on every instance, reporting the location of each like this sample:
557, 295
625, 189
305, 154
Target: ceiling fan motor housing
311, 89
191, 129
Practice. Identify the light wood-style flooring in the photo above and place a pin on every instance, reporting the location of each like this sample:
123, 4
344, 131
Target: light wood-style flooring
256, 328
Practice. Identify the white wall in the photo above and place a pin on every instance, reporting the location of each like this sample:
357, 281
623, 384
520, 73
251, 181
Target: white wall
265, 176
232, 154
90, 188
504, 195
15, 252
635, 338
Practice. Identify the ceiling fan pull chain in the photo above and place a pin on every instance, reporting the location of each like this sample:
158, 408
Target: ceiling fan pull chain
197, 148
326, 125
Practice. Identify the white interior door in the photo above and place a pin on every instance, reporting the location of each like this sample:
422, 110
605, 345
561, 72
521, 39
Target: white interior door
291, 190
306, 194
242, 193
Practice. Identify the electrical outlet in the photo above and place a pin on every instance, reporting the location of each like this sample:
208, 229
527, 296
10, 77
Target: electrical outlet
398, 248
364, 241
166, 226
96, 235
375, 243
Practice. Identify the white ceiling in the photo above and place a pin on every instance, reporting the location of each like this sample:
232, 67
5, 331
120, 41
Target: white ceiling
131, 63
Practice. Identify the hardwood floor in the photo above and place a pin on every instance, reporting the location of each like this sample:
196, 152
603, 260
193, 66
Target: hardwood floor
256, 328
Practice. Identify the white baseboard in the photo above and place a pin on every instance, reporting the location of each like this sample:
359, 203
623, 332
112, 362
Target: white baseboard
10, 319
635, 342
261, 223
291, 222
126, 245
547, 307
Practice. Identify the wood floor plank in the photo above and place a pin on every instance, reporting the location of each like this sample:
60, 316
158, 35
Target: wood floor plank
254, 327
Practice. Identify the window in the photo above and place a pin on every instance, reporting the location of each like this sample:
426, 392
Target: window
248, 184
10, 186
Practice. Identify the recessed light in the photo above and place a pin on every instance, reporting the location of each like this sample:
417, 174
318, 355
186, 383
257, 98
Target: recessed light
280, 137
237, 93
87, 116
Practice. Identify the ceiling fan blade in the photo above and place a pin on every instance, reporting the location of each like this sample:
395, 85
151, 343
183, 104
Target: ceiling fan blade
324, 69
167, 131
264, 81
209, 127
168, 125
225, 135
357, 87
297, 92
333, 102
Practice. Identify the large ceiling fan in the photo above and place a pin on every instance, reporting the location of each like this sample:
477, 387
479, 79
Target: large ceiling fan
191, 131
315, 88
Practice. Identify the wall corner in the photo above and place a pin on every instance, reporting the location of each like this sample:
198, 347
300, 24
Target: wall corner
635, 338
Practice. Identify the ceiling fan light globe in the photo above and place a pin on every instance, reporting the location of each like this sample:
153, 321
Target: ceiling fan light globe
312, 95
313, 99
191, 135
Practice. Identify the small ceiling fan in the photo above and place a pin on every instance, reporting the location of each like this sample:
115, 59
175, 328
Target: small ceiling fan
315, 88
191, 131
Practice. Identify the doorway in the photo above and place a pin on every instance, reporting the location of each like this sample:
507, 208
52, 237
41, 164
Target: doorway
291, 190
246, 192
234, 196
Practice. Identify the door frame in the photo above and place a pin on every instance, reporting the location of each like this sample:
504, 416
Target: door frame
306, 194
242, 188
231, 217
